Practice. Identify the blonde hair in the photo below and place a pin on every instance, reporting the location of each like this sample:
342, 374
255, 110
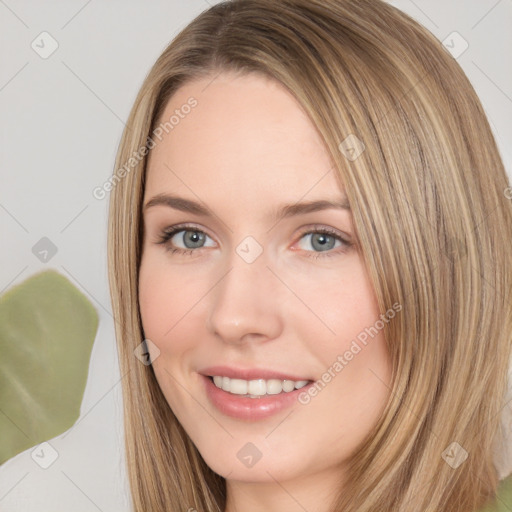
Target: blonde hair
428, 206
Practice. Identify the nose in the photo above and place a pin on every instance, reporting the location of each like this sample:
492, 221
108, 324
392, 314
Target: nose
246, 304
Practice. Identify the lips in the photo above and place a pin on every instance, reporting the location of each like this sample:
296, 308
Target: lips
246, 407
251, 373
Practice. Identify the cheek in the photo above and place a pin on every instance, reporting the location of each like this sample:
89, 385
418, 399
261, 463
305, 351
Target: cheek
348, 310
344, 305
161, 305
170, 303
162, 299
153, 300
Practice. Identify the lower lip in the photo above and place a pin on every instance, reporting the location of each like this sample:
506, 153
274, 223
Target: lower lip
247, 408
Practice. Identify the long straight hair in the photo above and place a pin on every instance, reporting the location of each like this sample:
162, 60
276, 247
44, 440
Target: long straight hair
434, 224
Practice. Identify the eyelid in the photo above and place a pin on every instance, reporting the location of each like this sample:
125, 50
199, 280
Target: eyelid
167, 233
176, 228
322, 228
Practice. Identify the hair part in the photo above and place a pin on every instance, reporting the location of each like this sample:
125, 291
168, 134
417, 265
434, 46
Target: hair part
427, 203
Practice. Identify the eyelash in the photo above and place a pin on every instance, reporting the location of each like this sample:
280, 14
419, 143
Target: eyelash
168, 233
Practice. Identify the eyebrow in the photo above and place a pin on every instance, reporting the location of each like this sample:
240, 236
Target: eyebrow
288, 210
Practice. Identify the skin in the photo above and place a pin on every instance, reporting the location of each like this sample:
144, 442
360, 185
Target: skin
246, 149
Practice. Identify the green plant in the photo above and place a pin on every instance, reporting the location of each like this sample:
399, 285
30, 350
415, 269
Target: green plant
47, 329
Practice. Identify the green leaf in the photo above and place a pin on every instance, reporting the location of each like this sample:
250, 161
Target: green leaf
47, 329
503, 501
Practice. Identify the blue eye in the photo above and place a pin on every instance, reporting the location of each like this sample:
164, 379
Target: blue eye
189, 238
321, 241
192, 239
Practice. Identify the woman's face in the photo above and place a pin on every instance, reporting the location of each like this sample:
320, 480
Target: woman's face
260, 281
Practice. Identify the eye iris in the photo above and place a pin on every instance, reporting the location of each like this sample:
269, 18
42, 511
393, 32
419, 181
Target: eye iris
326, 241
193, 239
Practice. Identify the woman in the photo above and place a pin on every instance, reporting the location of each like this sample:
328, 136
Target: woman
307, 250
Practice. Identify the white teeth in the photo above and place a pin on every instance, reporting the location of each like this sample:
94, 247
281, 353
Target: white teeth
237, 386
258, 387
288, 385
274, 386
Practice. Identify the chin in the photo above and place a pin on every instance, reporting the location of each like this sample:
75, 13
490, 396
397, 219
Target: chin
264, 469
260, 473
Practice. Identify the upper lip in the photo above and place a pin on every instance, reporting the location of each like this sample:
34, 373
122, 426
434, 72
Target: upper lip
249, 373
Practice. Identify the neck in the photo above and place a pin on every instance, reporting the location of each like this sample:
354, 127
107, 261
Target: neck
313, 492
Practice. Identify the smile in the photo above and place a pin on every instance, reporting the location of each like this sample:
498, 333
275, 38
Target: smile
255, 399
258, 387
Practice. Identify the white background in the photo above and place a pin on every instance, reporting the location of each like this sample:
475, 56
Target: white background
61, 120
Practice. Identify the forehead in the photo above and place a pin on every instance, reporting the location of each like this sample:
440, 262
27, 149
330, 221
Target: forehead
244, 132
